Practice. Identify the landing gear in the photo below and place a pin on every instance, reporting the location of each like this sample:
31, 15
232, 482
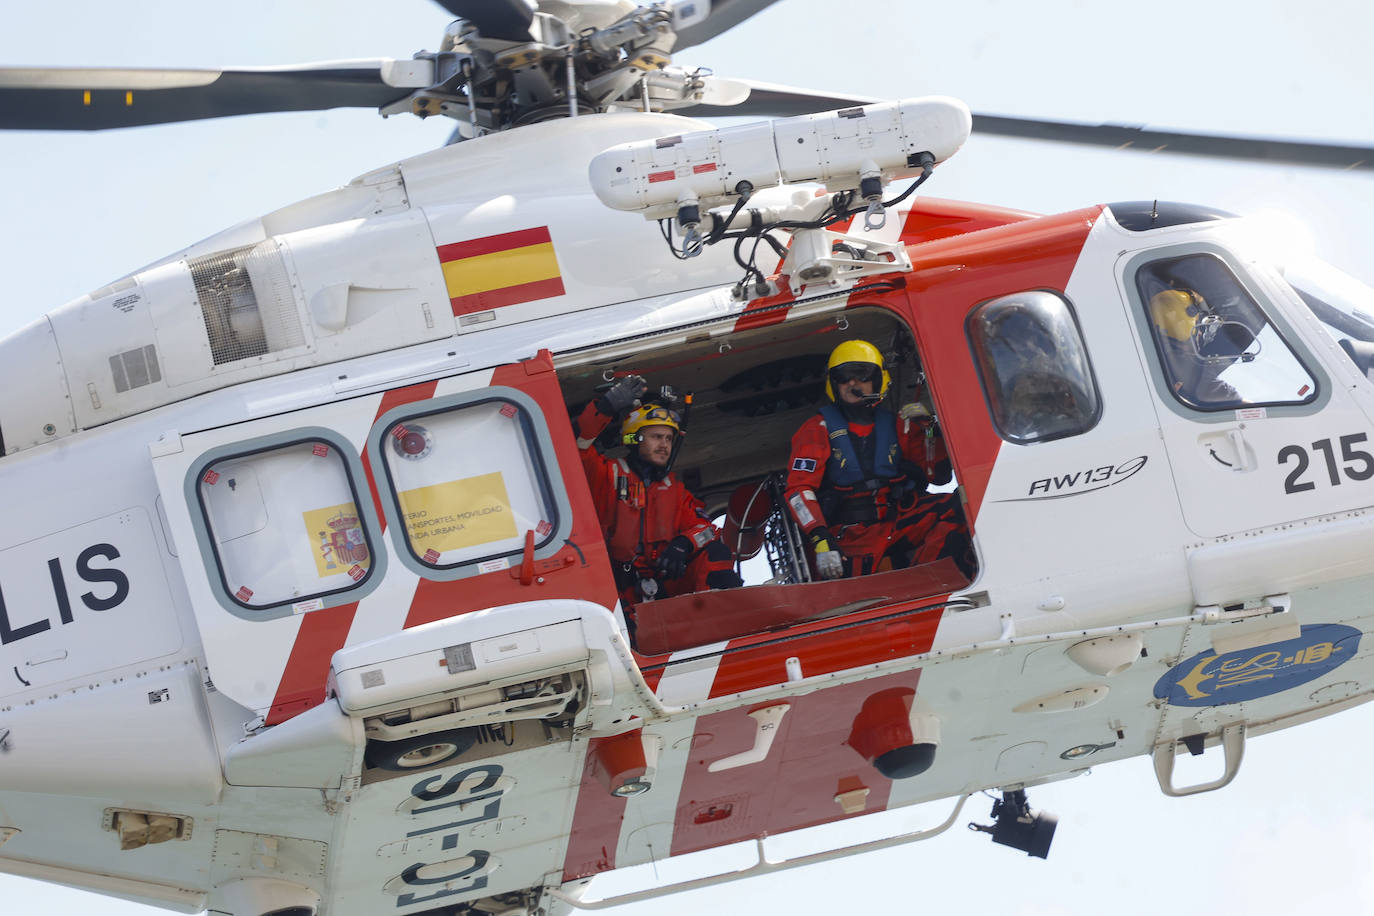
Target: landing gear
420, 750
1019, 826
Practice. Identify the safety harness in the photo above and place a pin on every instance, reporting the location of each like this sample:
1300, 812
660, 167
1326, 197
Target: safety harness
858, 480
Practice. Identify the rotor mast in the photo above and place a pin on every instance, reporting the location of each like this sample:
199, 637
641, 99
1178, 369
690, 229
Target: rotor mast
505, 65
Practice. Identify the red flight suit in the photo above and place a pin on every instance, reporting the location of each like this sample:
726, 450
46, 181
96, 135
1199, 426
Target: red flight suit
640, 516
877, 523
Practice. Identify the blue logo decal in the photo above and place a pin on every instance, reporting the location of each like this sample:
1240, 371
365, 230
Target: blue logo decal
1208, 679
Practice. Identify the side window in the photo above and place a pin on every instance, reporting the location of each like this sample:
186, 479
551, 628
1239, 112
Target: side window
1034, 367
468, 483
1216, 347
283, 526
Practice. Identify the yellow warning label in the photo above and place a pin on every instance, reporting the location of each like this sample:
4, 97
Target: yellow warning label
336, 536
457, 514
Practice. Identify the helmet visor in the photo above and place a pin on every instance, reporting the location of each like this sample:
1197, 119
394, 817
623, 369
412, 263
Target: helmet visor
662, 414
854, 372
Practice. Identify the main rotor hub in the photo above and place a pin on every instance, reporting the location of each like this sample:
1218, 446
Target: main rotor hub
568, 59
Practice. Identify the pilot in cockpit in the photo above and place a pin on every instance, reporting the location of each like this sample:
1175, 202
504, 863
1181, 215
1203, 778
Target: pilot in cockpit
1196, 345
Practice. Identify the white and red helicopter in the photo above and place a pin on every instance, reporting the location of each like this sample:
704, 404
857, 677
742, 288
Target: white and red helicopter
737, 741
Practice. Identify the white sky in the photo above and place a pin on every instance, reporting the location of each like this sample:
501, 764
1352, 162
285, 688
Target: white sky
1295, 832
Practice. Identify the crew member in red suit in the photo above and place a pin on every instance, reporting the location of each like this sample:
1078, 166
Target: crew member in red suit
661, 541
858, 476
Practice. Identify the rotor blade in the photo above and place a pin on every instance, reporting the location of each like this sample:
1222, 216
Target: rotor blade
73, 98
725, 14
770, 100
508, 20
1121, 136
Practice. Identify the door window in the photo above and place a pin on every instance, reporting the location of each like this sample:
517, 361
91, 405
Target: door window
468, 483
1217, 348
1034, 367
283, 524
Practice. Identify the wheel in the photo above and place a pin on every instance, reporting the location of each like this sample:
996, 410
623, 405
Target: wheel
419, 751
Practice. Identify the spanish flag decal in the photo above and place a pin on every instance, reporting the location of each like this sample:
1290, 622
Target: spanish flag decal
498, 270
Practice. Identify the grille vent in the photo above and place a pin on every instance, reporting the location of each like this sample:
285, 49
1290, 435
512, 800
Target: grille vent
246, 301
135, 368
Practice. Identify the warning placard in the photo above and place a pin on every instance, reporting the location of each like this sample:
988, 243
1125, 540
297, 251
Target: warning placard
457, 514
336, 536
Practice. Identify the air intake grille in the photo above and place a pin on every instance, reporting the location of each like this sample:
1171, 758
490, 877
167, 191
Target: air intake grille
245, 299
135, 368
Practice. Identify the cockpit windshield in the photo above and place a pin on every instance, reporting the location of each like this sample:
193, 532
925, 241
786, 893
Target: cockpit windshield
1343, 305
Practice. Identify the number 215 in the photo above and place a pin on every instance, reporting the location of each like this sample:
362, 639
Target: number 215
1359, 464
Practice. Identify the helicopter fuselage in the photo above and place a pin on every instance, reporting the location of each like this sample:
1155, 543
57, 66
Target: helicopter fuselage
303, 597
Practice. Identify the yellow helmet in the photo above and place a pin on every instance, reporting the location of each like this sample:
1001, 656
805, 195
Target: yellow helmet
649, 415
855, 354
1176, 311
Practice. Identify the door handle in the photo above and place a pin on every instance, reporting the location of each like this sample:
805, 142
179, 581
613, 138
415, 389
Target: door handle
1245, 456
1229, 449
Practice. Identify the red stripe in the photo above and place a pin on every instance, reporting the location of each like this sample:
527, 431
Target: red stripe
439, 600
324, 632
754, 315
507, 295
655, 177
303, 679
947, 277
390, 401
597, 816
493, 243
811, 761
795, 786
824, 650
931, 218
699, 169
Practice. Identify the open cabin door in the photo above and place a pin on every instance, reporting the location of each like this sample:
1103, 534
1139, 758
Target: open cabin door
348, 522
753, 387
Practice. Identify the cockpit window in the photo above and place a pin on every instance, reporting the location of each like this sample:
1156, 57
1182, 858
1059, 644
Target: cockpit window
1217, 348
1343, 305
1034, 367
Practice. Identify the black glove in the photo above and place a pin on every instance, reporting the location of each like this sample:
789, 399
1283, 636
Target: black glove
672, 562
620, 398
907, 493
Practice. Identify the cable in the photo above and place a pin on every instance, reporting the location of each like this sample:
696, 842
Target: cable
839, 208
927, 163
745, 190
665, 227
840, 203
750, 270
778, 247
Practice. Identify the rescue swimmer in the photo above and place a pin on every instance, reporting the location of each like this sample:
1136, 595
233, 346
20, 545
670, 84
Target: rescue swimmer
857, 477
661, 539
